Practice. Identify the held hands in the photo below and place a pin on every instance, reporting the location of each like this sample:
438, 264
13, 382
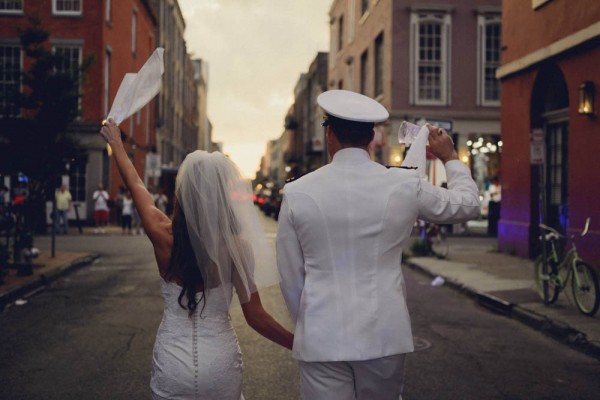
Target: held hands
441, 144
111, 133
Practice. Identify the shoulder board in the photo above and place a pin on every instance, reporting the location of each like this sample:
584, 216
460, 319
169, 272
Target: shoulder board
399, 166
295, 178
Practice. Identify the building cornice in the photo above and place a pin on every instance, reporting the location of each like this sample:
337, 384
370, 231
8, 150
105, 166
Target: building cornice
553, 49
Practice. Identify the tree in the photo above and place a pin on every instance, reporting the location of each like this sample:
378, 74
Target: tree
34, 135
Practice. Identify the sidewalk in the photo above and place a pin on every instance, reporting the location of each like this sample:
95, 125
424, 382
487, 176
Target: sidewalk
505, 284
46, 269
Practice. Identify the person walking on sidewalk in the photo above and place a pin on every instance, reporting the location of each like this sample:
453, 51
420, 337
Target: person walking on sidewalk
211, 246
341, 232
126, 212
63, 206
100, 197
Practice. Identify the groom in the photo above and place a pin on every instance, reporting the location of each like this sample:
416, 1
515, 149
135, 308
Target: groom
341, 233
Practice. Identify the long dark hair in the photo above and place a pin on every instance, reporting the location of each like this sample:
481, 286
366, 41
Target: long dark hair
183, 263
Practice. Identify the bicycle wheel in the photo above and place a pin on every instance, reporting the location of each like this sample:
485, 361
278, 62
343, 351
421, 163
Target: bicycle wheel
586, 289
439, 245
546, 285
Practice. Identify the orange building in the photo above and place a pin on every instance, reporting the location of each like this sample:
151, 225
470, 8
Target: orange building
550, 126
121, 36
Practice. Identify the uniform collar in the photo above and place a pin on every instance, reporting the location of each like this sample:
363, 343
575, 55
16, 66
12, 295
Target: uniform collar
351, 155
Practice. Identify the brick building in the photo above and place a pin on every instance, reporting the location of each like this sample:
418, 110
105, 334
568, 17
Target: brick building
121, 35
549, 74
424, 60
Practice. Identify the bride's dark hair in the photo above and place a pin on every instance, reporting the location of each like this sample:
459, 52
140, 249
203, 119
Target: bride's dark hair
183, 263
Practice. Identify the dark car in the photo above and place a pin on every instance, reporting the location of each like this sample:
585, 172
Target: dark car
272, 202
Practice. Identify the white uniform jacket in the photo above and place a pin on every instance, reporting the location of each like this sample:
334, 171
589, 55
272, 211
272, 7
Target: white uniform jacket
341, 232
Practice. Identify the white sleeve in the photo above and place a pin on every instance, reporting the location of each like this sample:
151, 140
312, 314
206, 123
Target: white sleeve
459, 203
290, 260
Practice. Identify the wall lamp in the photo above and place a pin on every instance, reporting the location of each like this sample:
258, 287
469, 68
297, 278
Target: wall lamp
587, 92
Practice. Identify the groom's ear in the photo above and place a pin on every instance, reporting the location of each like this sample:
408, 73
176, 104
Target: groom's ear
329, 136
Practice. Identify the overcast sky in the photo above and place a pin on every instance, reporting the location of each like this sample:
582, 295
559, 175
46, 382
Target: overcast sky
256, 51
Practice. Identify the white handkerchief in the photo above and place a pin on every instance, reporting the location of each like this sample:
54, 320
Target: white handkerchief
417, 153
137, 89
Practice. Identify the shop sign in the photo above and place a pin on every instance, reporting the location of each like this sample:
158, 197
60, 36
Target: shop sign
536, 147
153, 165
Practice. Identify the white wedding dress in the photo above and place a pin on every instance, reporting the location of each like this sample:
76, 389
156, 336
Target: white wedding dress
197, 357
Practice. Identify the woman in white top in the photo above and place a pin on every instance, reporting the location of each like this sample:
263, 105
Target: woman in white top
126, 212
210, 247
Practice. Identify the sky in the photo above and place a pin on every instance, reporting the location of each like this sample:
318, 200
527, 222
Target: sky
256, 51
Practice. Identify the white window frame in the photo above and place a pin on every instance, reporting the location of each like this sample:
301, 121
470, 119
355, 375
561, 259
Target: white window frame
107, 62
483, 20
108, 11
56, 11
445, 20
134, 30
351, 21
5, 10
17, 45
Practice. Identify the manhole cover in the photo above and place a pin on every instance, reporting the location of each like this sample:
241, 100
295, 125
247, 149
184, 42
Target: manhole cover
421, 344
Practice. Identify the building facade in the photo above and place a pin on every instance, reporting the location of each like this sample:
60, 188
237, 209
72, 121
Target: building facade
121, 36
424, 61
550, 122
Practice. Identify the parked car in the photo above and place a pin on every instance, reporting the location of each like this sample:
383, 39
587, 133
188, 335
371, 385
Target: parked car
272, 203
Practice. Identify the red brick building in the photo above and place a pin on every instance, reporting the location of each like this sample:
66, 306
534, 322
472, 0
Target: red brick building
550, 58
121, 36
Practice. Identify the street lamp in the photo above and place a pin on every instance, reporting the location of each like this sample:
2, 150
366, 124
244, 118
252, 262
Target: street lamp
586, 98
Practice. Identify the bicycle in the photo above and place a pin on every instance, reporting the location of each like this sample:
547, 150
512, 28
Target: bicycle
434, 237
552, 276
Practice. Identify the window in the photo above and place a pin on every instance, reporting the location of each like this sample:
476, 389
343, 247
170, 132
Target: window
341, 84
364, 6
11, 6
68, 62
364, 66
489, 39
10, 78
134, 31
341, 33
66, 7
77, 179
430, 58
379, 65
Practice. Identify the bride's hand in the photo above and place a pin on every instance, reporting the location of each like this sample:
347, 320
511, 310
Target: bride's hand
111, 132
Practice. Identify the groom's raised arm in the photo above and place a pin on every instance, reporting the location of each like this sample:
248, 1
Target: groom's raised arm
290, 260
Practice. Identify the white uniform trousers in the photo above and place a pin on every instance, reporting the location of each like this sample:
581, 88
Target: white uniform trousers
380, 379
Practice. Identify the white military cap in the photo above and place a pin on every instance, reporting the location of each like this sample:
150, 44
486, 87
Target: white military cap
352, 106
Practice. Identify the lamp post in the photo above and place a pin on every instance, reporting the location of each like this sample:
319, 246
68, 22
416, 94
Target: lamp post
587, 93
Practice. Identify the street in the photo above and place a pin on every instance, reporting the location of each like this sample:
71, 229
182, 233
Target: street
90, 336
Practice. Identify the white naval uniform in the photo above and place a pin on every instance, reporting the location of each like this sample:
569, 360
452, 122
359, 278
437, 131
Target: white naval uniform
342, 229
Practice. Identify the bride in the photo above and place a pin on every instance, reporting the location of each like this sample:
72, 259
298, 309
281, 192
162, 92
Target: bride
209, 247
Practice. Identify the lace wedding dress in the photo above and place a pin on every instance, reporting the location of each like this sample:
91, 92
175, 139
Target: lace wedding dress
197, 357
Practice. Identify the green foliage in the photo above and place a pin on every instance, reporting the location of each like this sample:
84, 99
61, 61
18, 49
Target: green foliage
36, 140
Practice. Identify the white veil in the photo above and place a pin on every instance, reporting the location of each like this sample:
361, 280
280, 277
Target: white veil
223, 226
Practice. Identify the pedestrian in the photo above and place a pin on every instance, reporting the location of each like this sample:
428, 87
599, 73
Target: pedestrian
63, 201
119, 205
209, 248
127, 212
101, 198
342, 229
495, 196
161, 200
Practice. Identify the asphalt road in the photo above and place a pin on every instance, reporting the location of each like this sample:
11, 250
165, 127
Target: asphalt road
90, 336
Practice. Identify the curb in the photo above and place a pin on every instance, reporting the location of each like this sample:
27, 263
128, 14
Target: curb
41, 281
557, 330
